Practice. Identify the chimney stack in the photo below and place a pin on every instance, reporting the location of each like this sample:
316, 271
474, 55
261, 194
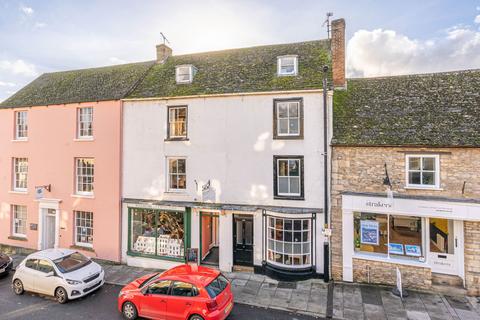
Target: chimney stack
338, 52
163, 52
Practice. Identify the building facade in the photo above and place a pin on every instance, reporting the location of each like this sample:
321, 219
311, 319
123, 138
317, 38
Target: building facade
223, 157
60, 161
405, 181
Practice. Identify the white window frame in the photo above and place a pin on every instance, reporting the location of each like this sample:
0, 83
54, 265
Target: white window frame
21, 125
298, 118
84, 218
436, 175
22, 220
81, 121
283, 252
169, 174
171, 121
299, 160
190, 73
77, 177
280, 64
17, 173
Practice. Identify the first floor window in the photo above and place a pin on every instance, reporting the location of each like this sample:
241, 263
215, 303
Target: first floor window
84, 176
21, 125
177, 122
157, 232
19, 220
177, 174
85, 122
84, 228
289, 241
288, 180
288, 117
423, 171
389, 235
20, 168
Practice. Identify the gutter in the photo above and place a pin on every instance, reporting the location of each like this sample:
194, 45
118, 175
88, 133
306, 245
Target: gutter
326, 245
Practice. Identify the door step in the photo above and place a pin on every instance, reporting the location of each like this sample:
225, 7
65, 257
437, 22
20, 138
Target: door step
449, 290
242, 269
446, 280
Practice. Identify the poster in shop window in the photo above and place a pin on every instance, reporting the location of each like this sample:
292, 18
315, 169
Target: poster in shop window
369, 232
395, 248
412, 250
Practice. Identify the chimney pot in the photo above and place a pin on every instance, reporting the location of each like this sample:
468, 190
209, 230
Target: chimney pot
338, 52
163, 52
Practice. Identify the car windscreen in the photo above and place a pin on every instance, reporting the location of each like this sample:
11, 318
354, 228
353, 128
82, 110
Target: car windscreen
217, 286
72, 262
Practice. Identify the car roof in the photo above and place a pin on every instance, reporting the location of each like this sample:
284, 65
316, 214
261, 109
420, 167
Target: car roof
197, 275
52, 254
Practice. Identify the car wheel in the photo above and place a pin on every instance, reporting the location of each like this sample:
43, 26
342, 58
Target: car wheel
129, 311
61, 295
18, 287
196, 317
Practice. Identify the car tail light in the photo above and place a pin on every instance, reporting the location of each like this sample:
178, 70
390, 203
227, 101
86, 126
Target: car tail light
212, 305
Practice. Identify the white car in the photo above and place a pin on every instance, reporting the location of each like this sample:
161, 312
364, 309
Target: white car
63, 273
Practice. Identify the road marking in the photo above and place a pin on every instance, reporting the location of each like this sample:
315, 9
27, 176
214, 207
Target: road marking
24, 311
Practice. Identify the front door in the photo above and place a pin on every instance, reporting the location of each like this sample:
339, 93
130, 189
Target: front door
49, 228
446, 243
243, 240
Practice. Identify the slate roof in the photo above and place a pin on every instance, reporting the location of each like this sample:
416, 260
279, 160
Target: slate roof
85, 85
238, 70
438, 109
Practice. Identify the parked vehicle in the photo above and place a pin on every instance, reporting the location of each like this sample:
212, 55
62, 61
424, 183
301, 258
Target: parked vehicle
63, 273
6, 264
185, 292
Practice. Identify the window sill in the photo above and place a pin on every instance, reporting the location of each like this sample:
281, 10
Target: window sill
289, 198
292, 137
18, 192
84, 139
19, 140
371, 257
84, 196
137, 254
423, 188
81, 247
177, 192
18, 238
176, 139
286, 74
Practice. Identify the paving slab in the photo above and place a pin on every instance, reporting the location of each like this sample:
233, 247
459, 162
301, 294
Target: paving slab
393, 305
299, 299
374, 312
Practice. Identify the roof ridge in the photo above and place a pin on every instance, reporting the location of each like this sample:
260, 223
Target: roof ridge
417, 74
101, 67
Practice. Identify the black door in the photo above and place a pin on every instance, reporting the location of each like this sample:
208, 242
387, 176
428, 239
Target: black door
243, 240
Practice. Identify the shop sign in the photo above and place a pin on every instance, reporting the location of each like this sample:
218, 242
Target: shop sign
369, 232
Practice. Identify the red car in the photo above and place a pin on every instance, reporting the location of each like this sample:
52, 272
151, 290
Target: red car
186, 292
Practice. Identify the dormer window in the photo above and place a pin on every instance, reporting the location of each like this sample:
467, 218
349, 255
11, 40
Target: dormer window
287, 65
185, 73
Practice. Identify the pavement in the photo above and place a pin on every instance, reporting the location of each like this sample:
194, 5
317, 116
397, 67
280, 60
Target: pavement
315, 298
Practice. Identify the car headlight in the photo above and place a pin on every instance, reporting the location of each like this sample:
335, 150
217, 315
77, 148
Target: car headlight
73, 282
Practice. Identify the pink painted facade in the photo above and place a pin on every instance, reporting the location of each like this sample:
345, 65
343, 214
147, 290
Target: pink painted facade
51, 149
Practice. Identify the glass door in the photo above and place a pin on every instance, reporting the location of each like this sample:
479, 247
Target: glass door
446, 242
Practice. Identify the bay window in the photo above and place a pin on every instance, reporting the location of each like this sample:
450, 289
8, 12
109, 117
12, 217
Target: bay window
157, 233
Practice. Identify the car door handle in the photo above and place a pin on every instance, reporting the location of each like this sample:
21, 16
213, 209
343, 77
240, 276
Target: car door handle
163, 300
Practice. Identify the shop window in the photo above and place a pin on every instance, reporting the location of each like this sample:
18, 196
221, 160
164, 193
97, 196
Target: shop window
423, 171
389, 235
157, 233
289, 242
371, 233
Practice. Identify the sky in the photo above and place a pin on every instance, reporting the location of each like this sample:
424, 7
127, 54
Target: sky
384, 37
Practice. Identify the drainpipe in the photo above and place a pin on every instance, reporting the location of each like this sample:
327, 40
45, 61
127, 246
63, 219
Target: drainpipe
326, 245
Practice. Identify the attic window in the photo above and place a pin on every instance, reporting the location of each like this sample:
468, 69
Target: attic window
287, 65
185, 73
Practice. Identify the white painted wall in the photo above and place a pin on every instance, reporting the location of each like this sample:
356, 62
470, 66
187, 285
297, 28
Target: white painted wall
230, 143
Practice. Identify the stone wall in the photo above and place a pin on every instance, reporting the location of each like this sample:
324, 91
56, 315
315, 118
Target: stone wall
472, 257
376, 272
361, 169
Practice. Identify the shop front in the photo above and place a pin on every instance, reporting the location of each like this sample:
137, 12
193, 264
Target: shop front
282, 245
420, 236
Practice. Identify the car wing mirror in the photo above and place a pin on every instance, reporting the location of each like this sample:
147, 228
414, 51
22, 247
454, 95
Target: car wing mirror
144, 290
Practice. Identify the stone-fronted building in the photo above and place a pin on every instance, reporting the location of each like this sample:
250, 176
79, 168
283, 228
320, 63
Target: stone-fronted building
405, 180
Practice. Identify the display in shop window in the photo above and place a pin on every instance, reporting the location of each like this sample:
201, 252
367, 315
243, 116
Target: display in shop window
412, 250
369, 232
395, 248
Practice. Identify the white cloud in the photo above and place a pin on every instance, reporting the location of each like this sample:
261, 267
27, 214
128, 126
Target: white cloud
477, 19
28, 11
18, 67
39, 25
7, 84
386, 52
